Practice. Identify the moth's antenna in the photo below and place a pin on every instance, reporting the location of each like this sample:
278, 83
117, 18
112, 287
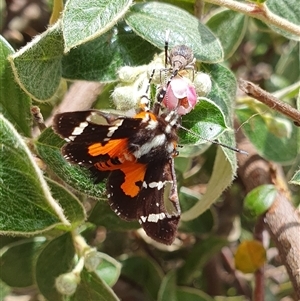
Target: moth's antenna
216, 142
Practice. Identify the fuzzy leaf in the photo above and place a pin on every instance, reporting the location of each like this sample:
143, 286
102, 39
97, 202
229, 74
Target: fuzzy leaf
27, 206
37, 66
287, 9
14, 103
264, 129
223, 94
150, 275
56, 258
85, 20
93, 287
18, 259
151, 20
226, 21
101, 58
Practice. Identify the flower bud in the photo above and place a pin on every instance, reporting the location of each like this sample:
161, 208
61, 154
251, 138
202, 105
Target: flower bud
156, 69
67, 283
125, 97
92, 259
129, 74
202, 83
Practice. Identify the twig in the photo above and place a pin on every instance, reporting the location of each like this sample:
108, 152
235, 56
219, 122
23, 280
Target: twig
269, 100
38, 117
261, 12
281, 220
259, 288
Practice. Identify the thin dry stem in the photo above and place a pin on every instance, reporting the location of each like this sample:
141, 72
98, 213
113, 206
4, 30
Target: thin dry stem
261, 12
269, 100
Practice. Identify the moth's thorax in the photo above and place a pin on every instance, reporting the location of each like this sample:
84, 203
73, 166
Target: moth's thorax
156, 137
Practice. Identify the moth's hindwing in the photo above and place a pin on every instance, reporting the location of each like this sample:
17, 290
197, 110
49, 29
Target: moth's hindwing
155, 204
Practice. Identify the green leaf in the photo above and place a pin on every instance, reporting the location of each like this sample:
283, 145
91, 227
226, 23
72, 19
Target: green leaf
4, 289
55, 259
14, 104
192, 294
151, 20
37, 66
287, 9
167, 290
48, 147
223, 90
83, 21
287, 67
206, 120
234, 298
220, 179
109, 269
265, 129
198, 257
223, 94
204, 223
260, 199
149, 276
102, 215
72, 207
94, 288
18, 259
27, 206
230, 27
101, 58
296, 178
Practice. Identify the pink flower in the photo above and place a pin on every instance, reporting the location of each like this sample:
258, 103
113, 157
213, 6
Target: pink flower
180, 95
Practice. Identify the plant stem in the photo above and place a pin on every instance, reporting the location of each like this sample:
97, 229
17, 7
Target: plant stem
269, 100
261, 12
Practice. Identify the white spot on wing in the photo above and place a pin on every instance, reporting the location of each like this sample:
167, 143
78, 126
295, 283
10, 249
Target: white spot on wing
79, 129
143, 219
154, 218
112, 129
159, 185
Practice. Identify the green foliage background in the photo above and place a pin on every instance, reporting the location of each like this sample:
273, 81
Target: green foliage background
42, 217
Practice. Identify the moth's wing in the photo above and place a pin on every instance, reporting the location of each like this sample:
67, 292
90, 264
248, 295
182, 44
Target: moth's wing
92, 135
123, 187
158, 205
93, 125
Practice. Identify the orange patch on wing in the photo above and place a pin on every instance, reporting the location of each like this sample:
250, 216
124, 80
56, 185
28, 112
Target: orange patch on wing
117, 152
112, 148
143, 114
134, 172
